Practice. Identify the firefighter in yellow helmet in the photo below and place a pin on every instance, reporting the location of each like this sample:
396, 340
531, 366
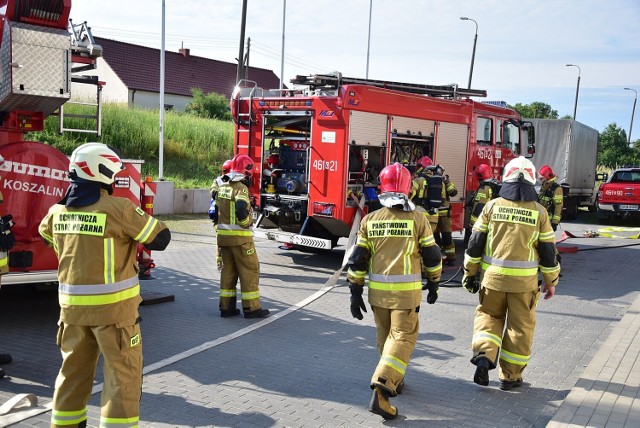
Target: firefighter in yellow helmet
7, 241
511, 241
550, 195
233, 220
95, 236
393, 243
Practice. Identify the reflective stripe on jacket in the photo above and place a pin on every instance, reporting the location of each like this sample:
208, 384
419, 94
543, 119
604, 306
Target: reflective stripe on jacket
96, 247
506, 242
230, 229
392, 241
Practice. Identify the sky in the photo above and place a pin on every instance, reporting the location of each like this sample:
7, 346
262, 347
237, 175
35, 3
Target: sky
522, 46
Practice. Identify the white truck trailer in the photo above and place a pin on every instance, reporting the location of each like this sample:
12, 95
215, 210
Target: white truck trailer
570, 148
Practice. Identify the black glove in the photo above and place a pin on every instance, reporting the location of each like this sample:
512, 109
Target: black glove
433, 288
357, 302
470, 283
554, 226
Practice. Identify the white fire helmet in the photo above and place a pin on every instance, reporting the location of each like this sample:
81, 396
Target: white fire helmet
95, 162
520, 170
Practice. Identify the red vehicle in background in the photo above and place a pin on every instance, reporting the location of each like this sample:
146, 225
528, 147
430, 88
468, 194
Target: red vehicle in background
38, 61
619, 195
320, 146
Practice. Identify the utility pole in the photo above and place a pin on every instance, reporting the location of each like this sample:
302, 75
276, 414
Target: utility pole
575, 104
243, 26
633, 112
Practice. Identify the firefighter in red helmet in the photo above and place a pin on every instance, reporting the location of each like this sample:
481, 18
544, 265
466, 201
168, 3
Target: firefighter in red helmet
550, 195
511, 241
393, 244
233, 219
219, 180
488, 189
95, 236
443, 232
426, 190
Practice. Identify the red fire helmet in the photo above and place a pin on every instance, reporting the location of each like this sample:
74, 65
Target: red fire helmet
242, 164
226, 166
483, 172
424, 162
546, 172
395, 178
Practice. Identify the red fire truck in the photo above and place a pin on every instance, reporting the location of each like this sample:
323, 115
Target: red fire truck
321, 145
38, 61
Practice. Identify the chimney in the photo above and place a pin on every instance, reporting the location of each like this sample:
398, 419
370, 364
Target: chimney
183, 51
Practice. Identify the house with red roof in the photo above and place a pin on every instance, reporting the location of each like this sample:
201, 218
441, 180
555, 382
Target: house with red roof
132, 75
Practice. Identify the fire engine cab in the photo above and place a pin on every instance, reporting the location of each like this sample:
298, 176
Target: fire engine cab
319, 147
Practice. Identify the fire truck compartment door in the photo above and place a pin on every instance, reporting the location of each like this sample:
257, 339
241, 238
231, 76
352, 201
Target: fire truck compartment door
408, 125
368, 129
451, 153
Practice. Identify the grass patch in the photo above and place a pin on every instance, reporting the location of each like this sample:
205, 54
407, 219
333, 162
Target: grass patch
194, 148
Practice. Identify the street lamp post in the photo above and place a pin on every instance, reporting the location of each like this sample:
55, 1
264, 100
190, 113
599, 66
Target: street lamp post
575, 104
635, 99
473, 55
369, 38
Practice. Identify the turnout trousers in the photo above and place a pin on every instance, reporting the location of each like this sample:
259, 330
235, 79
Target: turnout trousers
504, 325
239, 262
121, 348
446, 237
396, 336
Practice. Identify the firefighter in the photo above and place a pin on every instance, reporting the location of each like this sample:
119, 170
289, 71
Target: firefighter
95, 236
7, 241
392, 245
551, 195
488, 189
511, 240
444, 230
426, 190
234, 217
221, 179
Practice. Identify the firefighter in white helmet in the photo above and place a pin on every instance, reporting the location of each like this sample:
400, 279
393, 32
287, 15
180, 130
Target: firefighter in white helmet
7, 241
393, 244
511, 241
95, 236
233, 220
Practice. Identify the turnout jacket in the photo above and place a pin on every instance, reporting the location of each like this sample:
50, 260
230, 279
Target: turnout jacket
510, 242
483, 195
96, 247
235, 215
551, 197
391, 247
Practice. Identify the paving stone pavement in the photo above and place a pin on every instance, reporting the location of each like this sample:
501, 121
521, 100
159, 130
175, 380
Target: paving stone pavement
311, 367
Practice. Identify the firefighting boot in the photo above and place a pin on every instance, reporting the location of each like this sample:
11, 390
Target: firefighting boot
380, 404
481, 377
226, 313
508, 385
258, 313
231, 311
400, 387
2, 373
5, 358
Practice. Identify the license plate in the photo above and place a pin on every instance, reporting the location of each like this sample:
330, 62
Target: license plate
628, 207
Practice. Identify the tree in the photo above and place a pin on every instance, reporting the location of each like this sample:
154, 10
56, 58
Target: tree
212, 105
535, 110
613, 150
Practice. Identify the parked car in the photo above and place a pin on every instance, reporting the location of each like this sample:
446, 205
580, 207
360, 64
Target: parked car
619, 195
